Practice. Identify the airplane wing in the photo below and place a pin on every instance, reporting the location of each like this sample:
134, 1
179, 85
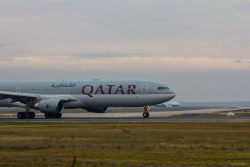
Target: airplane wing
30, 97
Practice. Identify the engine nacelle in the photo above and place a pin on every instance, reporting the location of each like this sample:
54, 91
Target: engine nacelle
97, 109
51, 106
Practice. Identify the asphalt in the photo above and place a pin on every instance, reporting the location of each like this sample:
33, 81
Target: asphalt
135, 119
155, 116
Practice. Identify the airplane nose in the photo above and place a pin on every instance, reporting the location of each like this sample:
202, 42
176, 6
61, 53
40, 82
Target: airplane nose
171, 94
168, 95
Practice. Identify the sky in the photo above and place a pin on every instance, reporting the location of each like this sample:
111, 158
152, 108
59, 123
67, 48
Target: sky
200, 49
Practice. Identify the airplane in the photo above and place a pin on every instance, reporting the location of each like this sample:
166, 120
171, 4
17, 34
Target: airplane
52, 97
173, 104
168, 104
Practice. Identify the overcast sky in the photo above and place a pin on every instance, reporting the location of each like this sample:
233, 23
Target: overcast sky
200, 49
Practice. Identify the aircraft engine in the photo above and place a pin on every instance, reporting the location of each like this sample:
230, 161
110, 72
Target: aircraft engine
97, 109
51, 106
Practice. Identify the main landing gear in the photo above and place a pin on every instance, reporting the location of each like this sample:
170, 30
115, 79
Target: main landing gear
146, 114
21, 115
56, 115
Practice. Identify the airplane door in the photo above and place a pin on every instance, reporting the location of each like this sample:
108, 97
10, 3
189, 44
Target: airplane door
18, 88
144, 89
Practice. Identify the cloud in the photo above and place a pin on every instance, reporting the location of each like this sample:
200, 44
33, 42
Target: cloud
111, 54
242, 6
144, 31
6, 44
123, 63
114, 38
245, 43
216, 46
240, 61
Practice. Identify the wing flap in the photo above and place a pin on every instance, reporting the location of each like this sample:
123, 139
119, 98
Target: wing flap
13, 95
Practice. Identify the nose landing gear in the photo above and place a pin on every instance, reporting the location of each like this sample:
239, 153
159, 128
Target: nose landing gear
145, 113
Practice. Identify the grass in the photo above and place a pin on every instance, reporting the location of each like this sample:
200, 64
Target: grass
242, 111
198, 134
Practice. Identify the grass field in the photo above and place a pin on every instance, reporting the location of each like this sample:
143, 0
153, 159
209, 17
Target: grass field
126, 143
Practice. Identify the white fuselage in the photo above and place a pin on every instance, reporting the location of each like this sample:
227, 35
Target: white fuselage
85, 94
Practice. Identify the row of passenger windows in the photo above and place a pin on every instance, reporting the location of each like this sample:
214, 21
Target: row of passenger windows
7, 89
43, 89
163, 88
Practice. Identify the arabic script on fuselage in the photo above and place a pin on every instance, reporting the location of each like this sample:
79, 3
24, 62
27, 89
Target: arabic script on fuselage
63, 85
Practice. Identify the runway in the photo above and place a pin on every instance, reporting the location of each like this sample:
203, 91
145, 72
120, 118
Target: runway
159, 116
131, 119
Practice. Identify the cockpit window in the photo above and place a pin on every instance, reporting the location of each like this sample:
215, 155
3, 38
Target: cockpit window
163, 88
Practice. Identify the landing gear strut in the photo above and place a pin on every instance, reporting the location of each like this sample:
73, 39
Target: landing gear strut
146, 114
21, 115
56, 115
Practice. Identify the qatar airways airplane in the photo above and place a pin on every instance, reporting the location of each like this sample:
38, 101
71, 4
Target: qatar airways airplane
52, 97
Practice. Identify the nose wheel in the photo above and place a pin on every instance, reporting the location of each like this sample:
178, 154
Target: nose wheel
146, 114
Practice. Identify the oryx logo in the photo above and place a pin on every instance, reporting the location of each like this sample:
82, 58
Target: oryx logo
47, 106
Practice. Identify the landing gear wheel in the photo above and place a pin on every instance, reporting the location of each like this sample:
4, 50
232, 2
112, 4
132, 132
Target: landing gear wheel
27, 115
59, 115
145, 114
47, 115
19, 115
32, 115
54, 115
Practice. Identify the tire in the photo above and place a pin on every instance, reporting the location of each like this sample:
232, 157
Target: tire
59, 115
47, 115
19, 115
145, 114
28, 115
32, 115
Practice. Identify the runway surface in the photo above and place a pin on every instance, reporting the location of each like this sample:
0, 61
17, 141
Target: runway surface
136, 119
159, 116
